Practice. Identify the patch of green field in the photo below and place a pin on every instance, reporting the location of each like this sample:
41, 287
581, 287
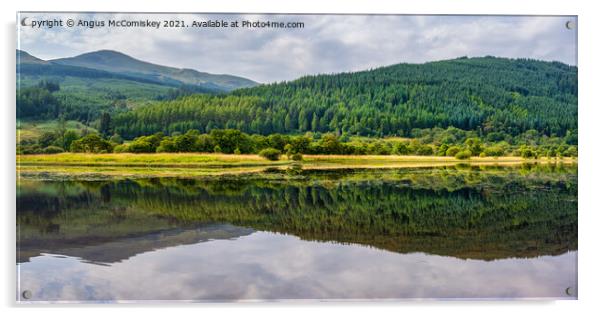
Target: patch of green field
368, 139
31, 130
387, 159
99, 89
190, 160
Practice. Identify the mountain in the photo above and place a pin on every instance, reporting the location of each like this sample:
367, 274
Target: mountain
493, 96
107, 63
116, 62
25, 58
105, 81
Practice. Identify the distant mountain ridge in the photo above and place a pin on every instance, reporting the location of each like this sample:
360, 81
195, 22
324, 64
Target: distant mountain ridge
122, 64
24, 57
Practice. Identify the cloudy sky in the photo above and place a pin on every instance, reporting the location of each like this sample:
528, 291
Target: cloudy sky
326, 43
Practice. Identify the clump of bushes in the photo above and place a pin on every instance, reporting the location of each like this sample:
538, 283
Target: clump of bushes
527, 152
270, 154
91, 143
53, 150
424, 150
297, 157
493, 151
464, 154
123, 148
453, 151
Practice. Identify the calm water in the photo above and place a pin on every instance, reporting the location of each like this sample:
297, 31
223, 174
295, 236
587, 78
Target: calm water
455, 232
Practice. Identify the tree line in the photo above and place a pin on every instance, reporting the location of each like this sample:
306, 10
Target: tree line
435, 142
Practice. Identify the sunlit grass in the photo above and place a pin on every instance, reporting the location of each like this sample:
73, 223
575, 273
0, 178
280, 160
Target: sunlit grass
143, 159
248, 159
195, 164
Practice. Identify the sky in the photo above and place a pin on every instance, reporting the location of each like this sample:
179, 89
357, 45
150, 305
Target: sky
326, 43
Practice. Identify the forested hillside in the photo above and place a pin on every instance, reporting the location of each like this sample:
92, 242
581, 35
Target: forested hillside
498, 96
85, 86
467, 107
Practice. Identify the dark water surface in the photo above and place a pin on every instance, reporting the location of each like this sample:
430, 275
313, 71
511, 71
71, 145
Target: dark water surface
450, 232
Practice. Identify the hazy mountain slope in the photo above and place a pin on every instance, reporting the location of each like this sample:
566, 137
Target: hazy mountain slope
117, 62
24, 57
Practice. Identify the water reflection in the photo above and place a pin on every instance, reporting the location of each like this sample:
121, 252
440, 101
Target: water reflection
442, 232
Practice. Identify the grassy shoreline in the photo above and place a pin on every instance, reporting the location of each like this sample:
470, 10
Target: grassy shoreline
192, 165
204, 159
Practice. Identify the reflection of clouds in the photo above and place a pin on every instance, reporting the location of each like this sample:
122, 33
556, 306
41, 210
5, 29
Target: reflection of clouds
328, 43
271, 266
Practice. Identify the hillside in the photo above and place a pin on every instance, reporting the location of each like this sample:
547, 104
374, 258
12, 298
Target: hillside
81, 93
493, 96
104, 81
120, 63
25, 58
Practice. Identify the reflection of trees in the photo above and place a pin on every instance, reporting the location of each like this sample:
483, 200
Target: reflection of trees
464, 213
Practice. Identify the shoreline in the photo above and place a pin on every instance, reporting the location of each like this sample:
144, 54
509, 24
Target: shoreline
125, 165
193, 160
